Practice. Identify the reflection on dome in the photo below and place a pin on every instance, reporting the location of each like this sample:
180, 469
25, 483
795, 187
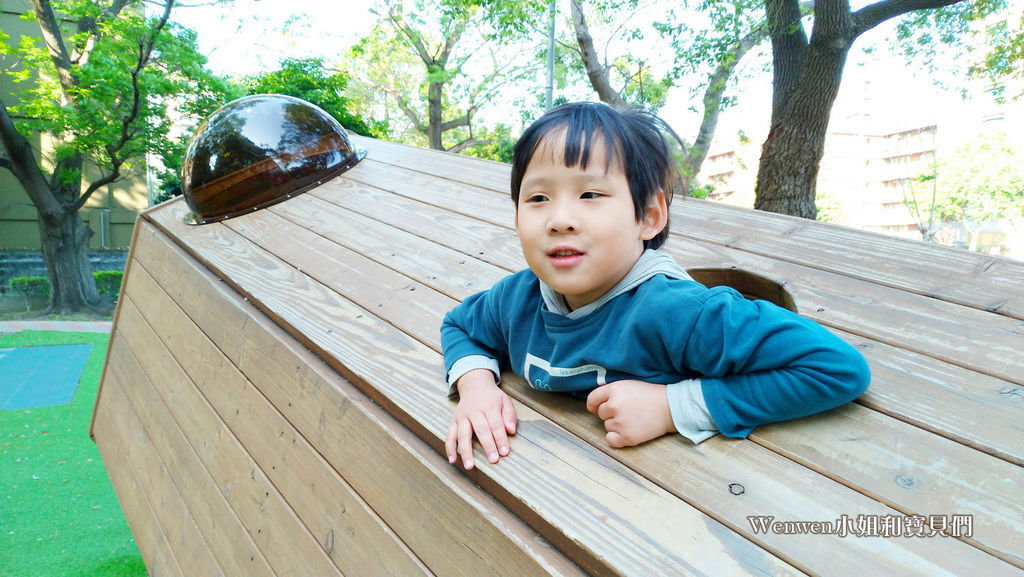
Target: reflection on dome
259, 150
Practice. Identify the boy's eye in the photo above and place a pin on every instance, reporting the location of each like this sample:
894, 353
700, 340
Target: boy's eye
589, 195
536, 198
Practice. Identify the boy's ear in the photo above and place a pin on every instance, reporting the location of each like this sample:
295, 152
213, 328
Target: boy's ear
656, 217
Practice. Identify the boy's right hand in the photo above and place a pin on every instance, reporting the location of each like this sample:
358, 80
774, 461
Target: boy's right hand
484, 410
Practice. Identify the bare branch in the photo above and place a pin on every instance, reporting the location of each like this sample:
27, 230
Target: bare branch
595, 70
874, 14
471, 141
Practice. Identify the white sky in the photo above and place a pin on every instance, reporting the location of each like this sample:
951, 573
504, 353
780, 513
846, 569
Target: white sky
255, 35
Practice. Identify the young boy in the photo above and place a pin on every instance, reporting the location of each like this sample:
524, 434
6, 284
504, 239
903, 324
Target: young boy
600, 313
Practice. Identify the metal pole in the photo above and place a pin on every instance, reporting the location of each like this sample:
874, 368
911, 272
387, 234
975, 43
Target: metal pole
548, 97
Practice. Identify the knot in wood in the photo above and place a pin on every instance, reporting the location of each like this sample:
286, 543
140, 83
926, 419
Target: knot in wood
906, 481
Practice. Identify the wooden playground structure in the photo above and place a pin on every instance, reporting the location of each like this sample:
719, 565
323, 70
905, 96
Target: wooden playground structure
274, 402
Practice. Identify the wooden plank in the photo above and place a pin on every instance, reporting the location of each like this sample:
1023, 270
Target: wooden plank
353, 535
350, 431
365, 209
770, 485
117, 316
911, 470
376, 287
980, 281
134, 496
455, 197
948, 485
611, 531
954, 401
975, 409
226, 537
453, 166
895, 375
287, 544
165, 531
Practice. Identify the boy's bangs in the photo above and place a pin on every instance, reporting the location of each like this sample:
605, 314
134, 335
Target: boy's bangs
582, 131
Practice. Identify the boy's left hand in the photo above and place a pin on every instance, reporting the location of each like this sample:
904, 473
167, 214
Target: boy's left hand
633, 411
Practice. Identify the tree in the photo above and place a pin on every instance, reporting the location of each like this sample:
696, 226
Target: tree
981, 181
429, 63
101, 97
806, 76
713, 51
309, 79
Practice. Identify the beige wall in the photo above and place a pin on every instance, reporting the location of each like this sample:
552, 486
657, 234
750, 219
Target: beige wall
110, 212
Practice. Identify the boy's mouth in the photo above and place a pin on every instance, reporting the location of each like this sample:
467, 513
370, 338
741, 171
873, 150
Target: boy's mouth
564, 256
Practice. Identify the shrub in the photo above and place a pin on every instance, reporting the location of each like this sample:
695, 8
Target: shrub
30, 286
108, 282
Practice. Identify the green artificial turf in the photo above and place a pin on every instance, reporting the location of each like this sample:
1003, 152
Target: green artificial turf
58, 512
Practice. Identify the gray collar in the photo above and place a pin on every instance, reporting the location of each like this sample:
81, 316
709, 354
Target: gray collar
650, 263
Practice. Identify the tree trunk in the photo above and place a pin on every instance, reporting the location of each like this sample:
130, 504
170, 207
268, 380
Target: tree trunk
807, 79
434, 110
65, 246
713, 95
596, 70
805, 84
64, 238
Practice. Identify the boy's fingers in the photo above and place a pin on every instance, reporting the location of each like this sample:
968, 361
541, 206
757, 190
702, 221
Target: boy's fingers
485, 434
465, 444
596, 398
451, 441
508, 415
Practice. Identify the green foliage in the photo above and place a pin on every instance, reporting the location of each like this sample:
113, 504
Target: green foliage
828, 208
930, 37
30, 286
456, 55
85, 117
108, 282
982, 180
497, 144
309, 79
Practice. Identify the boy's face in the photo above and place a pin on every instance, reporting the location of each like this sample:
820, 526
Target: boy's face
577, 227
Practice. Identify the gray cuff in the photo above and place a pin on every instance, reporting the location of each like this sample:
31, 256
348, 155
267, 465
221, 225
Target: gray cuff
689, 411
466, 364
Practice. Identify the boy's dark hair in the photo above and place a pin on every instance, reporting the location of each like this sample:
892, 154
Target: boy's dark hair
636, 138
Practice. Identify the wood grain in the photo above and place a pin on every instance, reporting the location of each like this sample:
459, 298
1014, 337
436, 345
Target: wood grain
612, 531
265, 514
343, 524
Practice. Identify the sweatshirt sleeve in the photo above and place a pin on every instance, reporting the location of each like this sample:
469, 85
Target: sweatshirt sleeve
472, 336
760, 363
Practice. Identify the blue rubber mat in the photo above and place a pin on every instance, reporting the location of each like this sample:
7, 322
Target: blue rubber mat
32, 377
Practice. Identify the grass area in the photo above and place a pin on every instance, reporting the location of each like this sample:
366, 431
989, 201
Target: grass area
58, 512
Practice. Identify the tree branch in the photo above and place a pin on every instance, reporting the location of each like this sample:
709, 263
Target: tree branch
127, 122
597, 73
49, 28
80, 56
414, 38
22, 163
471, 141
874, 14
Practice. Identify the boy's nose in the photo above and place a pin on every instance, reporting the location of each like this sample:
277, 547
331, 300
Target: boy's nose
562, 219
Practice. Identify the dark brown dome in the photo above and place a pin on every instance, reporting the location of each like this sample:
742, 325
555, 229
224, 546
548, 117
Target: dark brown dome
259, 150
